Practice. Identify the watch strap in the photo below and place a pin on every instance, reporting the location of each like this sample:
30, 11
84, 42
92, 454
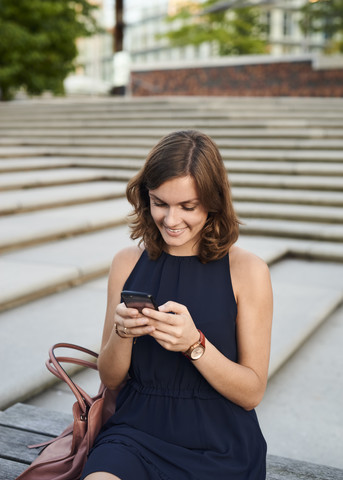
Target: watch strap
201, 341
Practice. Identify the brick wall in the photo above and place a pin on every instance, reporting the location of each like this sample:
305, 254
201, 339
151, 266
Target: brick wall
272, 78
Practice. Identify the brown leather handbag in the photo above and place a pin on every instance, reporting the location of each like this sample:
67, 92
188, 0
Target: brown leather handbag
63, 458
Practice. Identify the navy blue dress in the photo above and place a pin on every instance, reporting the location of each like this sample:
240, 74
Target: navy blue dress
170, 423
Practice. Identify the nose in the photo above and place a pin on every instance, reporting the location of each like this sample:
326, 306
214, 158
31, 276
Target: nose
171, 218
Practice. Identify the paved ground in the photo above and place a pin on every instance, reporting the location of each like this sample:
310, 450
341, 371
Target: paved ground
301, 414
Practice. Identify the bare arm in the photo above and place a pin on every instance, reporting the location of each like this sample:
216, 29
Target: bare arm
244, 382
115, 353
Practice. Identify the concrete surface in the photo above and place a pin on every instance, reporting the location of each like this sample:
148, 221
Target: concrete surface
301, 413
41, 270
289, 196
59, 222
38, 178
17, 201
122, 133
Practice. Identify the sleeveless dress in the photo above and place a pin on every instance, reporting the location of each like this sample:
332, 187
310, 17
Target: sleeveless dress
170, 424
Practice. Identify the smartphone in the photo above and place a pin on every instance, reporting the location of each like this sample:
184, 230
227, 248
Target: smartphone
138, 300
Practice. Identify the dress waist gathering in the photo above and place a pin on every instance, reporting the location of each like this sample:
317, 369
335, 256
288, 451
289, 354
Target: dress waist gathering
204, 392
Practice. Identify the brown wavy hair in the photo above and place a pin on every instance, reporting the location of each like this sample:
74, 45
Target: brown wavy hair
179, 154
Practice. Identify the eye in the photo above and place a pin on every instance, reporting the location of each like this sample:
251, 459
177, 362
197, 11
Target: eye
189, 209
158, 204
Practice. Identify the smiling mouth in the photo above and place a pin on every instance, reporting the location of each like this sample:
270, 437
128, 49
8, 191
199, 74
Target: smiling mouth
175, 230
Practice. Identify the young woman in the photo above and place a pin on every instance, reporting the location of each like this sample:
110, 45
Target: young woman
198, 365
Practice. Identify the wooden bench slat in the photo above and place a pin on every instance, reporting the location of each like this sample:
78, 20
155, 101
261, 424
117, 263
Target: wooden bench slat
10, 470
22, 425
14, 444
280, 468
35, 419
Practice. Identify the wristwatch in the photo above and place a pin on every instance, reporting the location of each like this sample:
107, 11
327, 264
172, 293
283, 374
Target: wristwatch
196, 350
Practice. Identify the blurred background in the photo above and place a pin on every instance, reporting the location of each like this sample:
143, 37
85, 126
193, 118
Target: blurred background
91, 47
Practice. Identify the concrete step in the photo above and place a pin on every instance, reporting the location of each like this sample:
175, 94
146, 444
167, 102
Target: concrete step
232, 143
198, 103
300, 413
274, 249
29, 199
42, 226
320, 206
232, 166
74, 316
38, 271
141, 153
77, 316
312, 121
316, 175
20, 201
220, 134
108, 102
50, 163
278, 211
34, 272
61, 176
28, 164
315, 290
307, 222
301, 182
293, 229
221, 112
288, 196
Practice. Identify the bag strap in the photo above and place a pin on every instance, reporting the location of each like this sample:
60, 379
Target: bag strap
76, 361
54, 366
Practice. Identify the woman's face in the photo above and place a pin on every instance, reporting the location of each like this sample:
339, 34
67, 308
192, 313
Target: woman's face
178, 214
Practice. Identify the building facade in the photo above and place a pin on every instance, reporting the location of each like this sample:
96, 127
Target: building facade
145, 24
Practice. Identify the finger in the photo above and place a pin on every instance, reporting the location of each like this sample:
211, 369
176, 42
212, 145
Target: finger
166, 340
173, 307
159, 317
124, 311
137, 331
130, 322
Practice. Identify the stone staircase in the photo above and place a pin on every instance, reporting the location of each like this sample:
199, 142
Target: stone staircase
64, 165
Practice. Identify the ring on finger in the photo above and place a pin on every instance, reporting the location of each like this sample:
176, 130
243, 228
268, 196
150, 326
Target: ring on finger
125, 331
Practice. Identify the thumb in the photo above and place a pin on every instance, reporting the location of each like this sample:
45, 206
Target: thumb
172, 307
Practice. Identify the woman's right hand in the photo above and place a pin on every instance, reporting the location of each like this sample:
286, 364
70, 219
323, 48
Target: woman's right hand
129, 323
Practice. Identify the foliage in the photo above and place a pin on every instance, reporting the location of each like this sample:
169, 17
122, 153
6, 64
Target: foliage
325, 16
233, 32
38, 43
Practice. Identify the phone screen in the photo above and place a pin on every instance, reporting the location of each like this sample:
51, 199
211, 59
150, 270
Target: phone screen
138, 300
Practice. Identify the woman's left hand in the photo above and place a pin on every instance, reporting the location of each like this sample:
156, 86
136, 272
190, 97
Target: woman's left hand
174, 326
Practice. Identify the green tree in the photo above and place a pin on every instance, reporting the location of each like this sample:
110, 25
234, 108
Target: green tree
325, 16
236, 31
38, 43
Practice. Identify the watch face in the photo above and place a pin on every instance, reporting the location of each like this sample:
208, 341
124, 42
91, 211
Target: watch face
197, 352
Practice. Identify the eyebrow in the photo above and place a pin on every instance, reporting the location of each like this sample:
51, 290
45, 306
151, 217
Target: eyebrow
180, 203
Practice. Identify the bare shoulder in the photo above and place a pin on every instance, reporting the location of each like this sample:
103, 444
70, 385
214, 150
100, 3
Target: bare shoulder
124, 262
128, 254
246, 268
243, 259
